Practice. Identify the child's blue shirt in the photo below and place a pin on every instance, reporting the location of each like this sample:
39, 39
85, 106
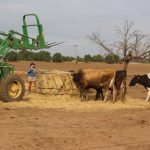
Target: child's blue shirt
31, 72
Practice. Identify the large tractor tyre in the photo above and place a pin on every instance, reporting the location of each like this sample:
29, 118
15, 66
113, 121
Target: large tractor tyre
12, 88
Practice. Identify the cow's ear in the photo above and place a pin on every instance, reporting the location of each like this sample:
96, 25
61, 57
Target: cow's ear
72, 74
138, 76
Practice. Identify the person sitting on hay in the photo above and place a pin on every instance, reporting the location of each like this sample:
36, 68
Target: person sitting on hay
32, 76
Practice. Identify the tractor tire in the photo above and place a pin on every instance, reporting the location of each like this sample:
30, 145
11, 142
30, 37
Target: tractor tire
12, 88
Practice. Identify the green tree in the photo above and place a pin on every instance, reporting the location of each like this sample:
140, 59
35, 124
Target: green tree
57, 57
43, 56
98, 58
68, 58
36, 56
87, 58
80, 59
11, 56
25, 55
110, 59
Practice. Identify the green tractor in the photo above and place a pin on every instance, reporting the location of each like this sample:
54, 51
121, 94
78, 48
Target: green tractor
12, 86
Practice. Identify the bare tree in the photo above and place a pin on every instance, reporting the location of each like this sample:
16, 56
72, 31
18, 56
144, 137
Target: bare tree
141, 46
96, 38
126, 35
129, 40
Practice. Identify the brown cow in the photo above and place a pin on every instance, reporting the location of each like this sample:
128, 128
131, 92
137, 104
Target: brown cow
93, 78
106, 79
100, 79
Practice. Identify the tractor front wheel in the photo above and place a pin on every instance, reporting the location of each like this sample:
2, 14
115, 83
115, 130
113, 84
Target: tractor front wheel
12, 88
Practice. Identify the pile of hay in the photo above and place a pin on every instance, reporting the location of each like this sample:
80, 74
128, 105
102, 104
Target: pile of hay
56, 83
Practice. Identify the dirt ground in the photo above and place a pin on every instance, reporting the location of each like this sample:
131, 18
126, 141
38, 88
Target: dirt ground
64, 123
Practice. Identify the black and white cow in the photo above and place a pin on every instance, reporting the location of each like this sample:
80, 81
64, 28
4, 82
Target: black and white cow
143, 80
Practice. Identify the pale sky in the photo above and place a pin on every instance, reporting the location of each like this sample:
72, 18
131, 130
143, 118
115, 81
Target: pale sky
72, 20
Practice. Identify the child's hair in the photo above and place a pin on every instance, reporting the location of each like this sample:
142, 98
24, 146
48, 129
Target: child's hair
32, 64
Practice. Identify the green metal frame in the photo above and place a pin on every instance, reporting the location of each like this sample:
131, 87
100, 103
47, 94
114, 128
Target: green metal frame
40, 38
24, 41
9, 41
5, 69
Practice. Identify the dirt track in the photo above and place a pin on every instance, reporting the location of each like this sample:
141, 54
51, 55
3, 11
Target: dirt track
32, 128
63, 123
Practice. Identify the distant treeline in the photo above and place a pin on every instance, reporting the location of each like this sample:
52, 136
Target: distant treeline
57, 57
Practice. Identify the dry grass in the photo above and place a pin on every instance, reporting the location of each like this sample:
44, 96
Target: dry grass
64, 122
35, 100
135, 98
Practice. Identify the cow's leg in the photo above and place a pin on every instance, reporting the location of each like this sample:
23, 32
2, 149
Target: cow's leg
106, 95
114, 94
86, 94
148, 95
83, 91
102, 94
123, 92
83, 95
97, 95
98, 92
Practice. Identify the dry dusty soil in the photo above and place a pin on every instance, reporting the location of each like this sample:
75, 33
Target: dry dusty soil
64, 123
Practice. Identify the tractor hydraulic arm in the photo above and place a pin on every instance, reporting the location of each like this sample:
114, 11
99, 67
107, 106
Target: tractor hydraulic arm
18, 41
5, 45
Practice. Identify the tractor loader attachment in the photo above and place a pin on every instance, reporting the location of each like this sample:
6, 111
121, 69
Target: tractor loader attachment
11, 86
26, 42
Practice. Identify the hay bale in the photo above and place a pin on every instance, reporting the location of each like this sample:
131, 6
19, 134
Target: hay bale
56, 83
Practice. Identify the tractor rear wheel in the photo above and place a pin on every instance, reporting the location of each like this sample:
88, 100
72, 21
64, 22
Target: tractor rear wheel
12, 88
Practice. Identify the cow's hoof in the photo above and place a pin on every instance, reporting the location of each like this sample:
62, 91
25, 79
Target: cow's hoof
123, 100
82, 100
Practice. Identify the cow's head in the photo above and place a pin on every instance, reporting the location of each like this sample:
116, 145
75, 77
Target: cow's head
77, 75
135, 80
